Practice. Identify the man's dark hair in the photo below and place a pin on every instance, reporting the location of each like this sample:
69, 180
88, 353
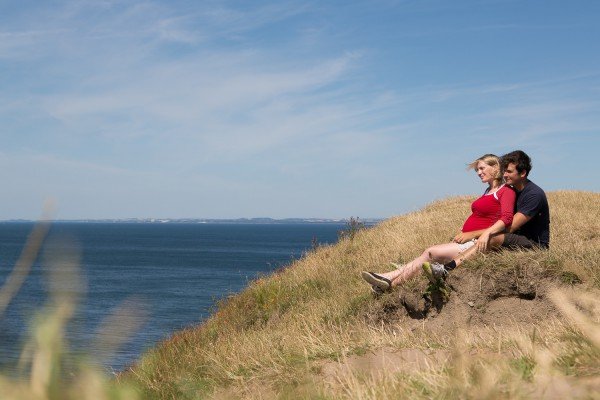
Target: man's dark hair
519, 158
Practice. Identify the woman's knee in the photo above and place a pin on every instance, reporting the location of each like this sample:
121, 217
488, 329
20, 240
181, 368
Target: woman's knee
429, 253
441, 253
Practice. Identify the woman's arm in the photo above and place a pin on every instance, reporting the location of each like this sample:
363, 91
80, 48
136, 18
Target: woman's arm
507, 198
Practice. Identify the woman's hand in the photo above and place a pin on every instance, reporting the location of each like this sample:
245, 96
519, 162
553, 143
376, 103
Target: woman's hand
483, 243
463, 237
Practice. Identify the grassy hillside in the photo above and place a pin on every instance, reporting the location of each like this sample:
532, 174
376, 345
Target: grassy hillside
314, 330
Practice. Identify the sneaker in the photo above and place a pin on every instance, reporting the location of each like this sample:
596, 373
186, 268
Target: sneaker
374, 279
435, 272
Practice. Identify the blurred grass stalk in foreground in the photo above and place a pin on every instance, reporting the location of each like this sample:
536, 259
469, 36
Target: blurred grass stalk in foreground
42, 372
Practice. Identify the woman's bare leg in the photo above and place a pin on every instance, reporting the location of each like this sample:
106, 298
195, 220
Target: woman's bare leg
495, 243
440, 253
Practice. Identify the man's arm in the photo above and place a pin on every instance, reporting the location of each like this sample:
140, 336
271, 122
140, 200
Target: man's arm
518, 221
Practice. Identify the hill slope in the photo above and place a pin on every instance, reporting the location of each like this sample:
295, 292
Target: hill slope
314, 330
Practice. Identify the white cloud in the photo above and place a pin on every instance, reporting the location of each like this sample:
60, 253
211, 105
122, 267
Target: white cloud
173, 101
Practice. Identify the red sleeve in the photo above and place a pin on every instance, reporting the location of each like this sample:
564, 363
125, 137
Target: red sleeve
507, 198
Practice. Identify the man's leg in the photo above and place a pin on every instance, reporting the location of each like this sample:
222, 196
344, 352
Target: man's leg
514, 241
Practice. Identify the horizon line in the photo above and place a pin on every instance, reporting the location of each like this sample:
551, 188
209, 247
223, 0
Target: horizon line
200, 220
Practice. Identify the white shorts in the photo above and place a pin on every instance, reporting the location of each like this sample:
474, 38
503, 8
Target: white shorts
462, 247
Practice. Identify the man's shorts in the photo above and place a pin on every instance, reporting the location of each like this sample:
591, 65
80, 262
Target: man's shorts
514, 241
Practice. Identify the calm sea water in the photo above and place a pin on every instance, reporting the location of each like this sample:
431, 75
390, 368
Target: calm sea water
177, 271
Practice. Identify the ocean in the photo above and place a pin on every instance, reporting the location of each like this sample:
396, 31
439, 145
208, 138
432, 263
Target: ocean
175, 272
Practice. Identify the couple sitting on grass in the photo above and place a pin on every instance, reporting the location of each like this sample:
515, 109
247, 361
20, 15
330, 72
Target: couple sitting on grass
512, 213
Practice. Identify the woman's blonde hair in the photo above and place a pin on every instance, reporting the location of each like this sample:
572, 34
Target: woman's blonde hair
493, 161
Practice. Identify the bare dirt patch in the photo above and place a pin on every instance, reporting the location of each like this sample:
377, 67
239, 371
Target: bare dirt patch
507, 297
484, 297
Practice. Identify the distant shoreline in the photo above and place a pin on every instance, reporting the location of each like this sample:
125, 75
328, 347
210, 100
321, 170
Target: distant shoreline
266, 221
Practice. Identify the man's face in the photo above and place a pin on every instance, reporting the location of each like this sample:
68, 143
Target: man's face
512, 177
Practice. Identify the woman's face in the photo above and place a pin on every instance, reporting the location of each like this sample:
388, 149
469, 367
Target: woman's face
485, 172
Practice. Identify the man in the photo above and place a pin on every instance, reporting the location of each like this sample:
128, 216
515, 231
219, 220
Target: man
531, 223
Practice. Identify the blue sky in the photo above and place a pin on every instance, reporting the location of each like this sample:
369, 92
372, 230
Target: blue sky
224, 109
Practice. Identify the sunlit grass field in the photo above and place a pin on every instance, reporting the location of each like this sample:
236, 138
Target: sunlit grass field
314, 329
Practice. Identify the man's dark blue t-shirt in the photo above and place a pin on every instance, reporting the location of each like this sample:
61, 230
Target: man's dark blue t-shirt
532, 202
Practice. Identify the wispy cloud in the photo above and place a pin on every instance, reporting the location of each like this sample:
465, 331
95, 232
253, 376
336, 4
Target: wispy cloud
215, 100
121, 83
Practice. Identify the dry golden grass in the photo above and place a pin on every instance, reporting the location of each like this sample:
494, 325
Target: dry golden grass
314, 330
284, 334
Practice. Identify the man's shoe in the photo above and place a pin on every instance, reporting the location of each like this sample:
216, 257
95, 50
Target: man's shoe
435, 272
